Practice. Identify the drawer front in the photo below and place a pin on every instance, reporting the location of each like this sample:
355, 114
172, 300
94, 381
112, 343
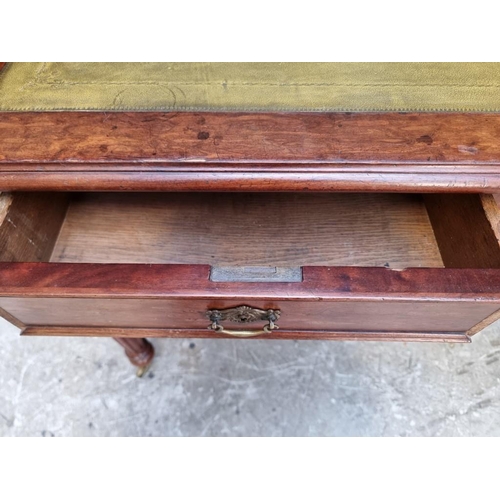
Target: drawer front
173, 300
66, 316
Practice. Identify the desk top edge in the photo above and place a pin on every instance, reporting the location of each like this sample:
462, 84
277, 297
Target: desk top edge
161, 151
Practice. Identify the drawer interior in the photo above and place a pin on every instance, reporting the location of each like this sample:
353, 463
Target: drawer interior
252, 229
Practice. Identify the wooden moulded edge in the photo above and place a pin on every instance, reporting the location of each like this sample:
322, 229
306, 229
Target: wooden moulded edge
483, 324
11, 319
155, 151
282, 334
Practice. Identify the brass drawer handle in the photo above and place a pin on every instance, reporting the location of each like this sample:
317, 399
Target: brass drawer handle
243, 314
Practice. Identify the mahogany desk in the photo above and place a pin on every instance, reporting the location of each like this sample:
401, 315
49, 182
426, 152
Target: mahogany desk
273, 224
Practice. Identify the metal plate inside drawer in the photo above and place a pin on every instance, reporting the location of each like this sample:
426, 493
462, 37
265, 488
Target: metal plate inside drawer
249, 274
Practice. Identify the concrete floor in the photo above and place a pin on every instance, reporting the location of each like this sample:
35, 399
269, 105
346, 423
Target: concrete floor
85, 387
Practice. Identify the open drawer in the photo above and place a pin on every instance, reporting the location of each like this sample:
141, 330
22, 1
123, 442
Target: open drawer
318, 265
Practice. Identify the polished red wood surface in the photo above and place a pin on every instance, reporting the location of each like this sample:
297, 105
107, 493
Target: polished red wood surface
327, 315
192, 281
250, 151
169, 298
257, 152
139, 351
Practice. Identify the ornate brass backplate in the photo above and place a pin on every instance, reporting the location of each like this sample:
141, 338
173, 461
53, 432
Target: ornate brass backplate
243, 314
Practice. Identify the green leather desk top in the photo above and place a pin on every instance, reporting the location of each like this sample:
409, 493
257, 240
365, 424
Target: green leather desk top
251, 86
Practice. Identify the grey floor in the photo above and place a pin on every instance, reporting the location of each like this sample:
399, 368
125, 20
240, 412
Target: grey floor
85, 387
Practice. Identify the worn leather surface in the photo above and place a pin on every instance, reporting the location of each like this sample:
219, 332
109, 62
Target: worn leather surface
251, 86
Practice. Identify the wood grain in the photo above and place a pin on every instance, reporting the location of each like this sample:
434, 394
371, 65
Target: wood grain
172, 297
156, 137
237, 229
310, 315
467, 229
277, 335
484, 323
373, 179
192, 281
29, 225
424, 152
11, 319
5, 203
